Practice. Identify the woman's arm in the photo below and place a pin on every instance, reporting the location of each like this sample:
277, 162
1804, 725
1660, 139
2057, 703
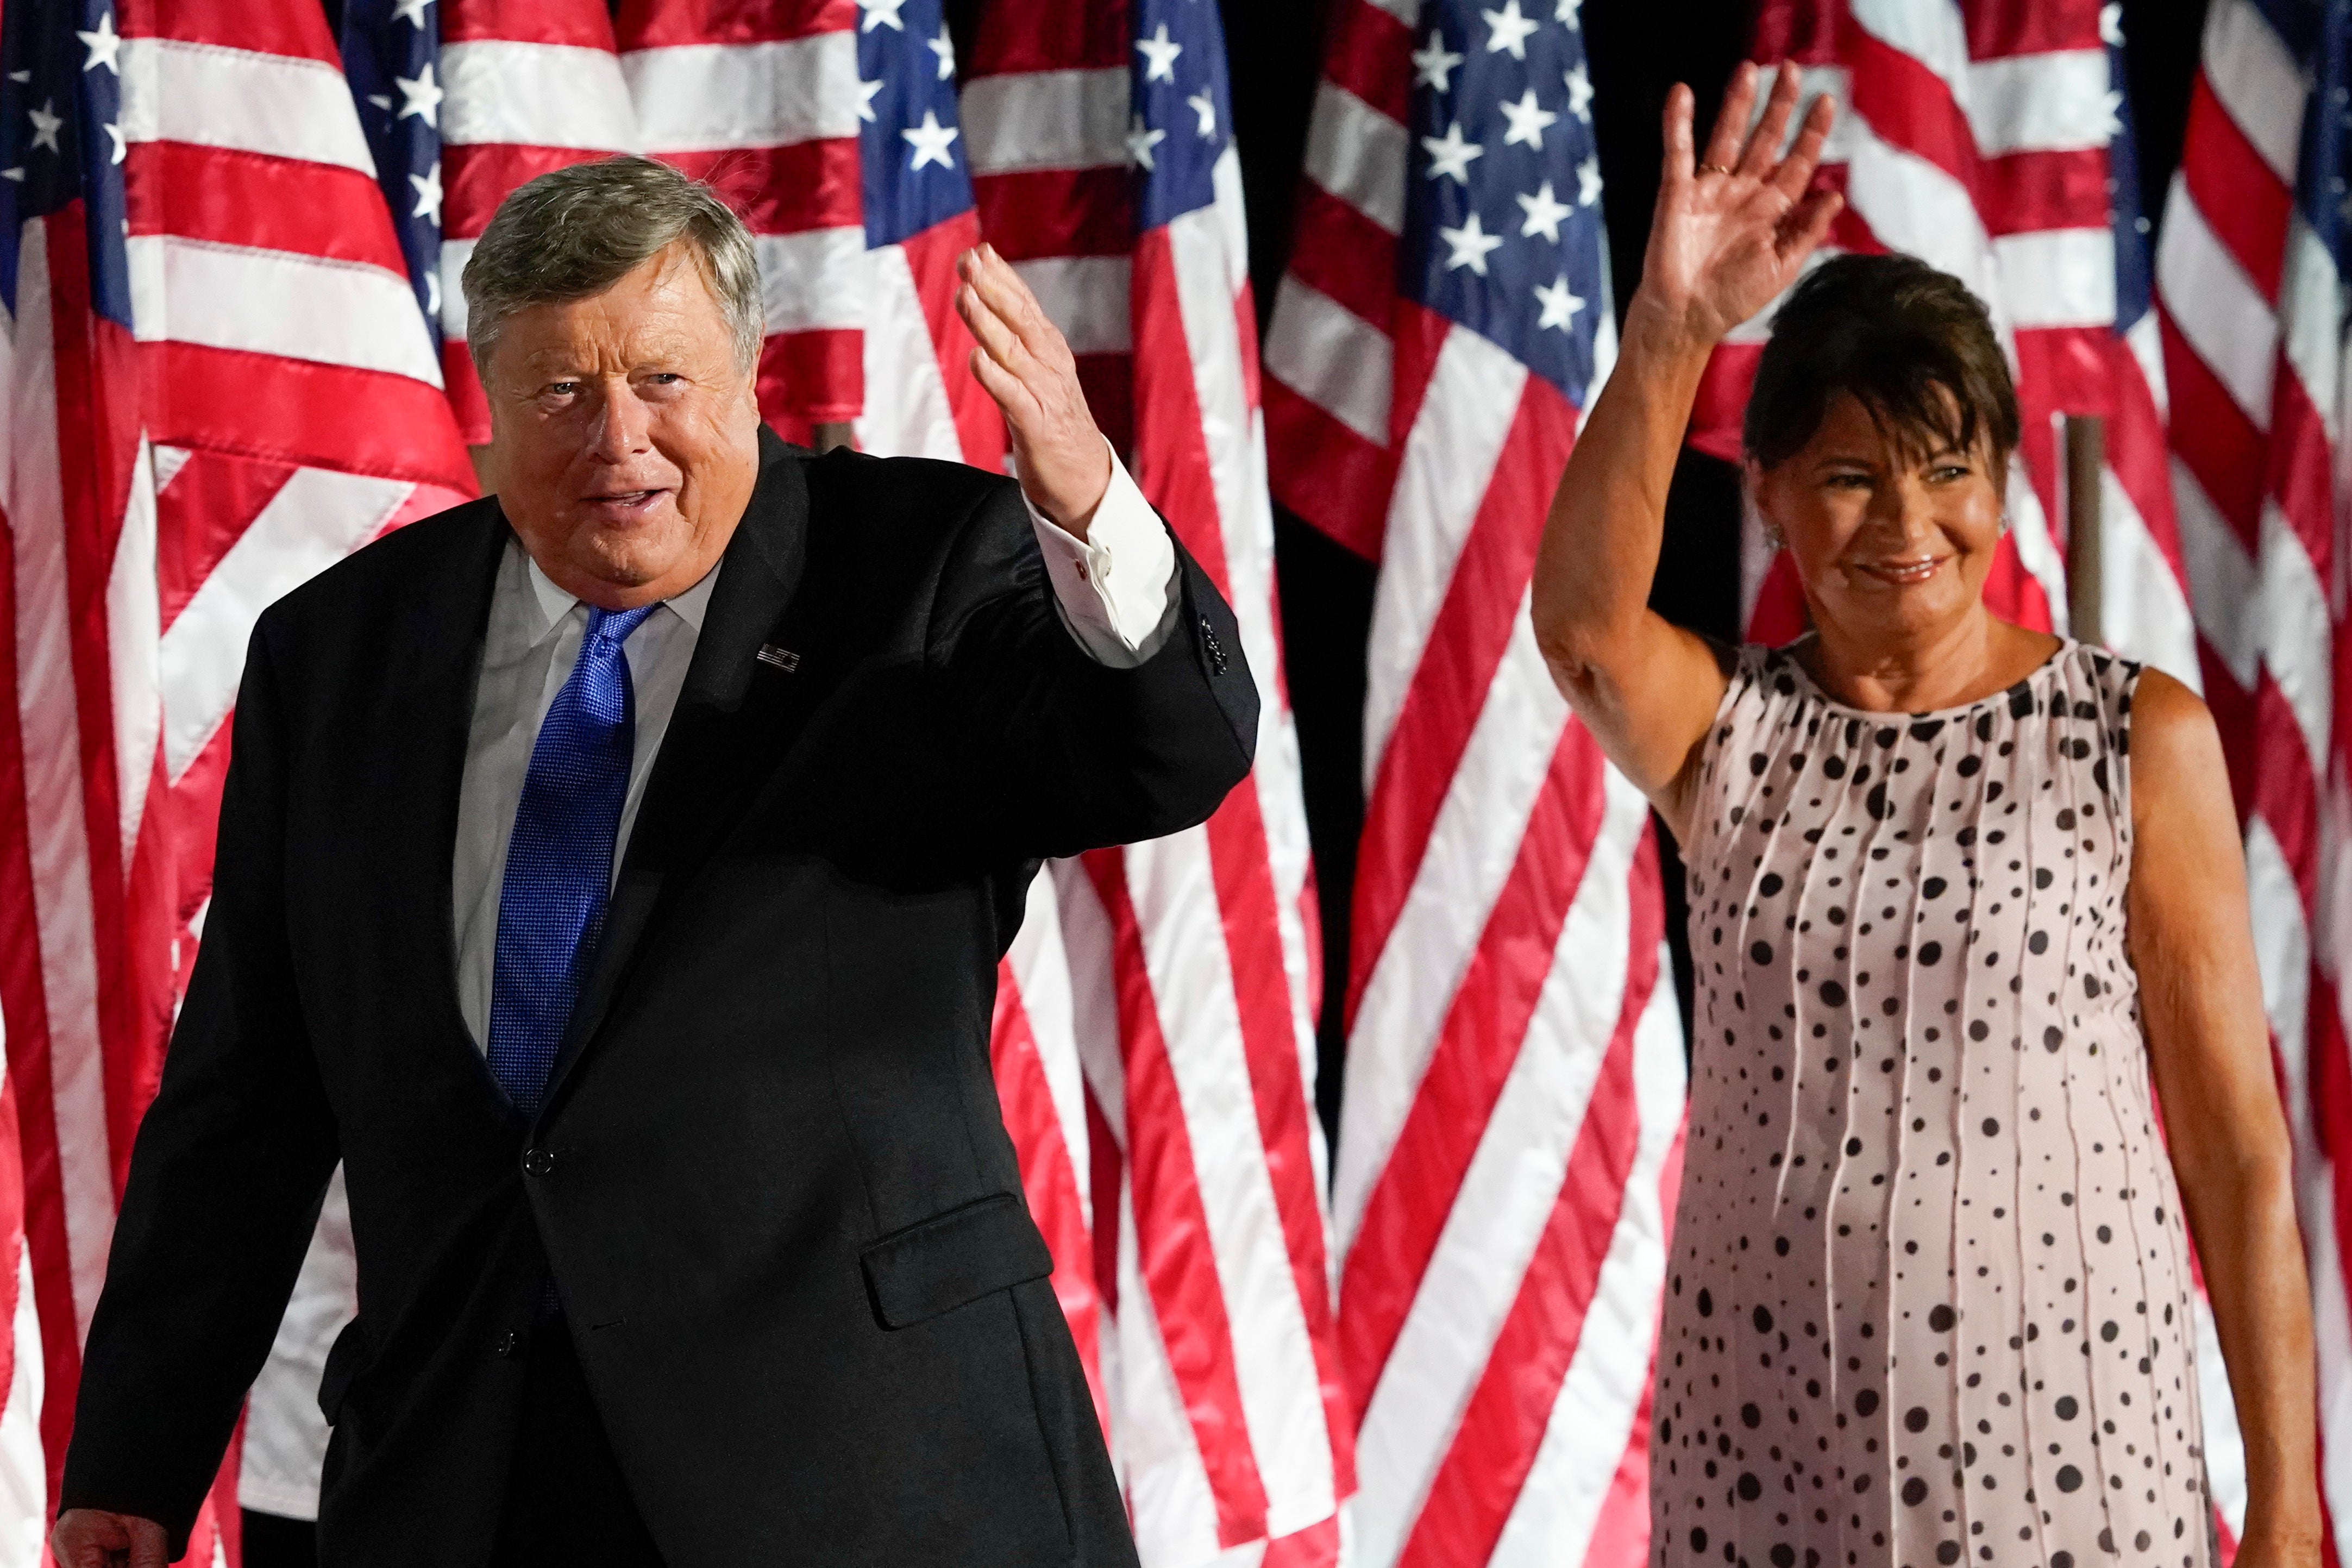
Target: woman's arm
2201, 1003
1722, 246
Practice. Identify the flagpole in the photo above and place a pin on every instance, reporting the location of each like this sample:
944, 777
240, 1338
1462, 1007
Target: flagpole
2086, 455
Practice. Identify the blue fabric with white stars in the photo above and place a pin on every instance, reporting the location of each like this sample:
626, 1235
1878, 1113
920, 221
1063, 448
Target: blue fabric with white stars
61, 139
1181, 106
1503, 229
2134, 285
392, 56
2323, 185
909, 145
560, 857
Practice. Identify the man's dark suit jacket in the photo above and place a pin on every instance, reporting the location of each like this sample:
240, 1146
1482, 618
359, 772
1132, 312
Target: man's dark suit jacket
771, 1178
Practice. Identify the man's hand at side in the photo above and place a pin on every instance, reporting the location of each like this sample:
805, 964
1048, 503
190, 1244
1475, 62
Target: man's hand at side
1024, 362
88, 1538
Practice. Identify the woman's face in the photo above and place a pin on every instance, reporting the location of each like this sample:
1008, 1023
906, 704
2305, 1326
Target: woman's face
1889, 545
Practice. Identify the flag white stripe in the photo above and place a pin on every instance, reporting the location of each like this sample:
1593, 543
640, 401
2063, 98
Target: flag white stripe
24, 1471
1332, 357
2058, 278
813, 280
1449, 458
1591, 1421
57, 839
2143, 612
708, 97
277, 302
1027, 121
239, 100
907, 412
2233, 328
2054, 101
1173, 887
1498, 1218
317, 517
504, 90
1473, 844
2254, 77
1358, 154
1086, 296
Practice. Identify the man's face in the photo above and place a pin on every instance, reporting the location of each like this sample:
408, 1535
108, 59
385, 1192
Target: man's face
624, 432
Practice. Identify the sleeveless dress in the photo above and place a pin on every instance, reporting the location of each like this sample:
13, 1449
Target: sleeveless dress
1929, 1295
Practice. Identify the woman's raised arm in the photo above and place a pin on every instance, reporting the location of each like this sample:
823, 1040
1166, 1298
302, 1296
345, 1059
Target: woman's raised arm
1729, 234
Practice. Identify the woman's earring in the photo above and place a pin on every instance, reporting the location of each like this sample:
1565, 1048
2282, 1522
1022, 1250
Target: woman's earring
1772, 537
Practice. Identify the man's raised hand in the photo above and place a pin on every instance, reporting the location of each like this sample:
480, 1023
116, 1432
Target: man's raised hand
1733, 228
1024, 362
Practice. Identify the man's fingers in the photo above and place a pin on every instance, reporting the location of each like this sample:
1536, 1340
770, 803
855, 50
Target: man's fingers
1796, 170
993, 333
1011, 393
1001, 289
1763, 149
1731, 123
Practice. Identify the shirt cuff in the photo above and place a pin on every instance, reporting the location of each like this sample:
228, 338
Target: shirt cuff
1116, 589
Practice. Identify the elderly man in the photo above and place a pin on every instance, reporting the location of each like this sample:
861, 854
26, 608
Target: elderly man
612, 875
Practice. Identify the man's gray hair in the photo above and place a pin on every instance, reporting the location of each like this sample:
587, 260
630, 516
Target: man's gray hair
576, 232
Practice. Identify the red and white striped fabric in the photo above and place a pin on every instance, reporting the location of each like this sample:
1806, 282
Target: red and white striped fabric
1165, 991
528, 85
1511, 1131
1977, 137
297, 412
763, 100
2250, 302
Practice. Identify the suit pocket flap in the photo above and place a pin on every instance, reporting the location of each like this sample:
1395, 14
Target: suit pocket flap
952, 1258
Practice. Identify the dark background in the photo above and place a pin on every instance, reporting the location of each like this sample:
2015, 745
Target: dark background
1638, 49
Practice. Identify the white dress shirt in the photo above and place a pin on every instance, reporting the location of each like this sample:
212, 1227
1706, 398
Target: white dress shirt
1116, 590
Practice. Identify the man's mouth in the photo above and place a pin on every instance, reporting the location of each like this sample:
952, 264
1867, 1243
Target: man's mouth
626, 503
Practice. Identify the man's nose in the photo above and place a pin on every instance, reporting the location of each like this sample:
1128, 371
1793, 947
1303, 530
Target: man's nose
622, 426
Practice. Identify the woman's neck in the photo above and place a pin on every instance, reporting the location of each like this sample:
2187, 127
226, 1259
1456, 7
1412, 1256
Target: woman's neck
1948, 666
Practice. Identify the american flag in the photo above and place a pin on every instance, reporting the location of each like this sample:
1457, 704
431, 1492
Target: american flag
462, 100
1510, 1134
1163, 990
2250, 270
764, 101
1982, 138
222, 384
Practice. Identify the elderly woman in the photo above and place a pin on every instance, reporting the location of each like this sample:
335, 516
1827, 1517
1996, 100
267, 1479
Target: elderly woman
1956, 886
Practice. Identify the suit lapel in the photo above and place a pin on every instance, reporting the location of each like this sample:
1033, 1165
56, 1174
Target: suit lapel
429, 708
733, 722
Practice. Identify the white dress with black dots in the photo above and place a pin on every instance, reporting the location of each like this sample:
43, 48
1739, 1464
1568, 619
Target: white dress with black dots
1928, 1300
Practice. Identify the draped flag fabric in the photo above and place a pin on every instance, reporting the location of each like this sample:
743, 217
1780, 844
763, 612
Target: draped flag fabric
1987, 138
462, 100
1510, 1134
1162, 995
218, 384
764, 101
2251, 267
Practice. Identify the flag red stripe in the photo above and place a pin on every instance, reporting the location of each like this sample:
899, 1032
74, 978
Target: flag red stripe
579, 27
1368, 52
1484, 1027
406, 434
1172, 1228
1465, 644
207, 192
784, 190
654, 24
1331, 476
2234, 191
1471, 1497
1342, 253
476, 177
1034, 214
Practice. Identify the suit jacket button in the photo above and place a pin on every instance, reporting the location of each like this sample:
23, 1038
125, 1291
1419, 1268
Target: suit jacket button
537, 1163
509, 1345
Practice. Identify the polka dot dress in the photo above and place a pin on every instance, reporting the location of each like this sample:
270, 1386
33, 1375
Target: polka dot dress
1927, 1297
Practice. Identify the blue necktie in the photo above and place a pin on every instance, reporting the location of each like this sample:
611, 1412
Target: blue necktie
559, 859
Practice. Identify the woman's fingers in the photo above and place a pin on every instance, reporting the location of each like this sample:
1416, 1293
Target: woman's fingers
1796, 170
1763, 149
1676, 168
1807, 224
1723, 145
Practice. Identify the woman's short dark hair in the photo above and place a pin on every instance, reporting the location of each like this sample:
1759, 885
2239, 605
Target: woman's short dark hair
1910, 344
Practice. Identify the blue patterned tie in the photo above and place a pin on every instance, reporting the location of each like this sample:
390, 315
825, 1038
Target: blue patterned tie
560, 860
